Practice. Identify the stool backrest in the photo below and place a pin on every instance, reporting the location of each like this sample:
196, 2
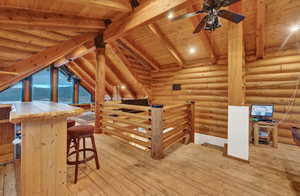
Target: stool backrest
296, 135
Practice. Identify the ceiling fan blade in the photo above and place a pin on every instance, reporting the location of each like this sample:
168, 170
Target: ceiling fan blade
226, 3
201, 25
233, 17
187, 15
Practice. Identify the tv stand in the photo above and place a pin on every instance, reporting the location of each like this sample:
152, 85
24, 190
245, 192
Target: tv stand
271, 126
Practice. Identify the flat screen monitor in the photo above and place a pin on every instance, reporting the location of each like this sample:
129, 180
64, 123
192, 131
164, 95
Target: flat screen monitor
262, 110
138, 102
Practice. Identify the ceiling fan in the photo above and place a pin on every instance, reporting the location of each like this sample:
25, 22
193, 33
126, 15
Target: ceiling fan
211, 21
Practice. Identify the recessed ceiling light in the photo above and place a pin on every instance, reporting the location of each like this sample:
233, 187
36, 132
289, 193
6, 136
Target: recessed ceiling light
192, 50
295, 28
170, 15
123, 87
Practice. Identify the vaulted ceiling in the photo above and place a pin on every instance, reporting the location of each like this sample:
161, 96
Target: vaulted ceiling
35, 34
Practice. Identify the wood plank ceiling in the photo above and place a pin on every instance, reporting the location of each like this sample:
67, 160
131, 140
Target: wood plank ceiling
29, 27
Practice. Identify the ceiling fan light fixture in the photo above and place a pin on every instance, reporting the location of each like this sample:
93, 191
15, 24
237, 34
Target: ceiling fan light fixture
170, 15
192, 50
211, 9
295, 28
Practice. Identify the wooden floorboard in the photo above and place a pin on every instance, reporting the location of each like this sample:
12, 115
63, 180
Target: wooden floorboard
187, 170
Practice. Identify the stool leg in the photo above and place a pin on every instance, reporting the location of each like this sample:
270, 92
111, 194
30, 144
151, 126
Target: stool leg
95, 152
84, 154
68, 146
77, 159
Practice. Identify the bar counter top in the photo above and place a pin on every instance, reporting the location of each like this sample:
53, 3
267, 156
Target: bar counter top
40, 110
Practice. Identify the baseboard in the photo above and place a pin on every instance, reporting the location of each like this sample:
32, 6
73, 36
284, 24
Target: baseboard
207, 139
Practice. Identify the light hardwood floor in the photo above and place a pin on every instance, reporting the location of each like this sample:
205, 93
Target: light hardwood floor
187, 170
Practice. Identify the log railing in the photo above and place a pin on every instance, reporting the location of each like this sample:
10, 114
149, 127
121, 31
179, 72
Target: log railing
149, 128
134, 128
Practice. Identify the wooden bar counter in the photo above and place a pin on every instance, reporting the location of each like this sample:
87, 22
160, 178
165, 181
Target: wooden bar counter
7, 133
44, 136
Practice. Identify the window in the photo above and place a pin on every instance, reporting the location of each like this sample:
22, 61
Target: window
13, 93
65, 88
41, 86
84, 95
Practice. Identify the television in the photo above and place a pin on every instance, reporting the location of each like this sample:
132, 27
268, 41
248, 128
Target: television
138, 102
262, 111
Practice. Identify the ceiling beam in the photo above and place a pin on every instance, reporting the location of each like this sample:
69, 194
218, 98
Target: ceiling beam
26, 38
260, 28
144, 13
5, 63
120, 69
127, 71
154, 28
43, 59
112, 5
79, 52
20, 45
84, 76
27, 19
120, 54
68, 33
86, 84
81, 73
111, 70
46, 34
132, 57
13, 54
130, 44
203, 35
8, 73
91, 69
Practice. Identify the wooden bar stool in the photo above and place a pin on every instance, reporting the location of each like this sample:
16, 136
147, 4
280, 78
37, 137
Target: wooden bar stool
75, 134
70, 123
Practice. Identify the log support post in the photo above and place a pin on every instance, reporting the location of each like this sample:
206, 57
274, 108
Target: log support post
54, 84
100, 81
76, 91
238, 113
236, 62
191, 121
27, 89
157, 132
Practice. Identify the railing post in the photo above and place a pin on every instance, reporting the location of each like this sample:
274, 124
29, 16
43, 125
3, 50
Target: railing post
192, 121
157, 132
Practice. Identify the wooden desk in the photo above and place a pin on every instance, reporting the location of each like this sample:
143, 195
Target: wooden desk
267, 125
44, 137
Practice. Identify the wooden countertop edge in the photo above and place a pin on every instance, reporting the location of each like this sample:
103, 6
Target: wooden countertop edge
40, 110
45, 115
5, 105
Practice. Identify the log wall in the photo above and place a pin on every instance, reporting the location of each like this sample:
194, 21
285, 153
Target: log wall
273, 81
206, 85
270, 81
